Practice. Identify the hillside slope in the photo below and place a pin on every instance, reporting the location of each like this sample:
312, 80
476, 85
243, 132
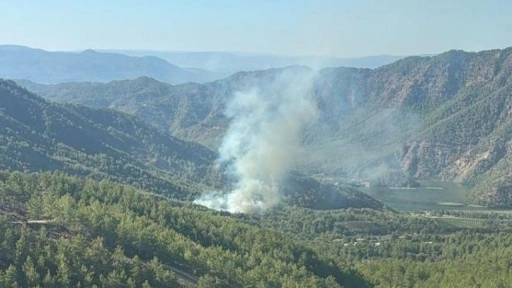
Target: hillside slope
104, 234
445, 117
39, 135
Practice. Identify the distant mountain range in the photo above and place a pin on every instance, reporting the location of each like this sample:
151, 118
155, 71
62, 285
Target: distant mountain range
445, 117
18, 62
231, 62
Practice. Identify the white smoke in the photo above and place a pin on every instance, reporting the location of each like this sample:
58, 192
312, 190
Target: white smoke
263, 141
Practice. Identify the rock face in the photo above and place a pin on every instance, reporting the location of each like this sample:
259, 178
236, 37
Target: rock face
446, 117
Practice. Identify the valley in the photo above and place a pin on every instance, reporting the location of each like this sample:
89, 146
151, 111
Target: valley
255, 144
408, 120
341, 177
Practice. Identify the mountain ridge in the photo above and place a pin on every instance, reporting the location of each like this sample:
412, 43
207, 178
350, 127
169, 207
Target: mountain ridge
19, 62
232, 62
96, 143
441, 117
102, 143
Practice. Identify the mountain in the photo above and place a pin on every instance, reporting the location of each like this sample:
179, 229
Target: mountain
39, 135
18, 62
179, 109
444, 117
231, 62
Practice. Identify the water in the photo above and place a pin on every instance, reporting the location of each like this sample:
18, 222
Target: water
429, 196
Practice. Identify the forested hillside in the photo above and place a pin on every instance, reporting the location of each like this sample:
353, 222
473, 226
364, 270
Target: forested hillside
263, 144
38, 135
445, 117
102, 233
62, 231
59, 230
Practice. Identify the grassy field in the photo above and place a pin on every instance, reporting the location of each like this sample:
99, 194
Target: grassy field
466, 223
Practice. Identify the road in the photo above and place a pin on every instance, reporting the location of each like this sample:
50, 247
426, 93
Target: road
188, 279
34, 222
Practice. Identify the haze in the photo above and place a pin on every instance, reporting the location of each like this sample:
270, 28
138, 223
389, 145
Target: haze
335, 28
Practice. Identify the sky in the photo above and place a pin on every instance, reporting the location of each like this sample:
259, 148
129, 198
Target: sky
350, 28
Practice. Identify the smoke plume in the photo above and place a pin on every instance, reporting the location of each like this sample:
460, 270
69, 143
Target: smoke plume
263, 141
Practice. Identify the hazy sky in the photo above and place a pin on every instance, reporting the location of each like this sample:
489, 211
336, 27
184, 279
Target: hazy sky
342, 28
